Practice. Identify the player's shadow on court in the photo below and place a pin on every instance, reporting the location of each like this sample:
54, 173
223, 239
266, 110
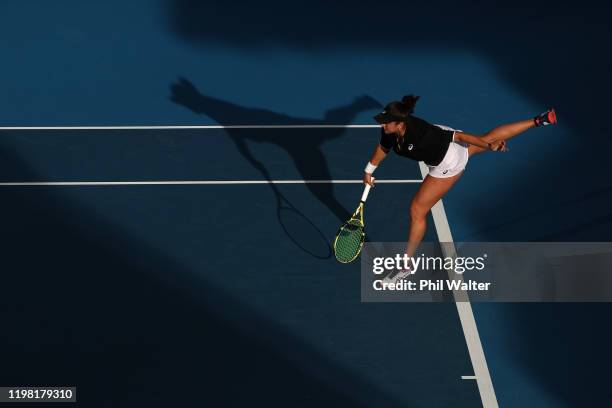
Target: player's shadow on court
302, 145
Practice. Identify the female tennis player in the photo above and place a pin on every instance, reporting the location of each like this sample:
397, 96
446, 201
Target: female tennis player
444, 150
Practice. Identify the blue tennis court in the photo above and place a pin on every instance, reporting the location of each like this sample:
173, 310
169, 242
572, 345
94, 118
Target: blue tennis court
148, 262
173, 173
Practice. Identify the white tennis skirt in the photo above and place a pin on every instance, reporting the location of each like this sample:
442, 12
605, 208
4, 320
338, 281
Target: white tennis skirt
454, 161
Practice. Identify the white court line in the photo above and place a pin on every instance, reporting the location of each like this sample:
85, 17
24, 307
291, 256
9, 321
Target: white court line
190, 182
464, 308
468, 377
195, 182
172, 127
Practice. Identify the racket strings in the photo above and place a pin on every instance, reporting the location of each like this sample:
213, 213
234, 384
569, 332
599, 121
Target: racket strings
349, 241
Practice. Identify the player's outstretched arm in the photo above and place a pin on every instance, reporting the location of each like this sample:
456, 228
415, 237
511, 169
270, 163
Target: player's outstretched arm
377, 157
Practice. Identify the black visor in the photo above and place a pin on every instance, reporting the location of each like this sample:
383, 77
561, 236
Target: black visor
386, 117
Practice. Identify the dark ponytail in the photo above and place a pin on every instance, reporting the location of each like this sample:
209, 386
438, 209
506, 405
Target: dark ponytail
409, 102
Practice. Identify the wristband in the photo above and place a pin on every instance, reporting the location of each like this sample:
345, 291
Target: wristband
370, 168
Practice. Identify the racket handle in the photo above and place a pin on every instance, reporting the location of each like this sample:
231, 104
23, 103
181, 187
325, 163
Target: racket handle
366, 191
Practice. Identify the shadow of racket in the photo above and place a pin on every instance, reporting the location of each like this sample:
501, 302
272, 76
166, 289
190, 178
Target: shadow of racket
300, 230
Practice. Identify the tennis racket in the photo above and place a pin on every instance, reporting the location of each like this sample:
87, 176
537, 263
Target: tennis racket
351, 235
